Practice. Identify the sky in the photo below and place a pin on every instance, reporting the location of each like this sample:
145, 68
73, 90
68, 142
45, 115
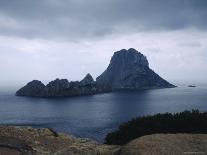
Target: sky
49, 39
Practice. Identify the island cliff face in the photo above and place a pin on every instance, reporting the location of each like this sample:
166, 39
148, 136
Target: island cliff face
128, 69
62, 88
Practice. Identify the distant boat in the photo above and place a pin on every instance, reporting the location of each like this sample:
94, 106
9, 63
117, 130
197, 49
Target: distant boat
191, 86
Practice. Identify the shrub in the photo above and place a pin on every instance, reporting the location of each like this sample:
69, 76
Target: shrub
183, 122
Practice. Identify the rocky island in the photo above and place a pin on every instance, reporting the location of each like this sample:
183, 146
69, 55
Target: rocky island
128, 69
62, 88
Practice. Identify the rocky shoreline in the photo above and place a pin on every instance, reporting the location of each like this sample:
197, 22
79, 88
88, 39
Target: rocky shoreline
16, 140
28, 140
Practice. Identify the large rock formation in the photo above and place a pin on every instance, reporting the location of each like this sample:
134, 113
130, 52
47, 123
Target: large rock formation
62, 88
129, 69
57, 87
87, 80
33, 88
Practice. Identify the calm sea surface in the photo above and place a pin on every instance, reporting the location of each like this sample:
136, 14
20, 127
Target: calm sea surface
95, 116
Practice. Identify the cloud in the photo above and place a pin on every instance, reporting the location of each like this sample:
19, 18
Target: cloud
46, 60
76, 20
46, 39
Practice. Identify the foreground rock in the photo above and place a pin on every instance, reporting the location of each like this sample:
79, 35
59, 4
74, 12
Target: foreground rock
27, 140
164, 144
129, 69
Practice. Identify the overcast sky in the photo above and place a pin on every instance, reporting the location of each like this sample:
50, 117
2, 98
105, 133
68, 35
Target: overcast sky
46, 39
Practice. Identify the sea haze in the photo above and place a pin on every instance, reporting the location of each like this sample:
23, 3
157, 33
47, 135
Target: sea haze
95, 116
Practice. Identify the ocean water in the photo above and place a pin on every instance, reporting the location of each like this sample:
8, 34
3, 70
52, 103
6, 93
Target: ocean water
95, 116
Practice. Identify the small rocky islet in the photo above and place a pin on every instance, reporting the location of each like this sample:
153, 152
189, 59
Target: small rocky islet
128, 69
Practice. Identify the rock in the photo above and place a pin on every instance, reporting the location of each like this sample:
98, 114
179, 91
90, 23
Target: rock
87, 80
57, 88
162, 144
62, 88
129, 69
43, 141
11, 145
34, 88
27, 140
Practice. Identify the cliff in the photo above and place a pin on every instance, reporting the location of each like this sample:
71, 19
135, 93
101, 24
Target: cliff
129, 69
62, 88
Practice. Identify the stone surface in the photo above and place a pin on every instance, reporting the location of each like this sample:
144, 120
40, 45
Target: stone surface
33, 88
57, 87
27, 140
62, 88
87, 80
129, 69
164, 144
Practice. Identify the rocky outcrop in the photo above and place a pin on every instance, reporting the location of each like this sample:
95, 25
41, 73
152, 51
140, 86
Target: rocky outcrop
163, 144
33, 88
87, 80
129, 69
57, 87
62, 88
27, 140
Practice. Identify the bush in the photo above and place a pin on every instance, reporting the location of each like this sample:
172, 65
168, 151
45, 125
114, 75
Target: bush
183, 122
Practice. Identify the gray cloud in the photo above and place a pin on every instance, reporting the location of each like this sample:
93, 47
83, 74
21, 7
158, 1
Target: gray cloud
80, 19
46, 39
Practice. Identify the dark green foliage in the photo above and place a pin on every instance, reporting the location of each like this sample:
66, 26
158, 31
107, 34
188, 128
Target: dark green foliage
184, 122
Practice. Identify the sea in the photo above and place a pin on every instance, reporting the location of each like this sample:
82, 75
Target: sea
95, 116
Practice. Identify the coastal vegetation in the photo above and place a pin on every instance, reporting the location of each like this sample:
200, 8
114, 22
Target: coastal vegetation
183, 122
